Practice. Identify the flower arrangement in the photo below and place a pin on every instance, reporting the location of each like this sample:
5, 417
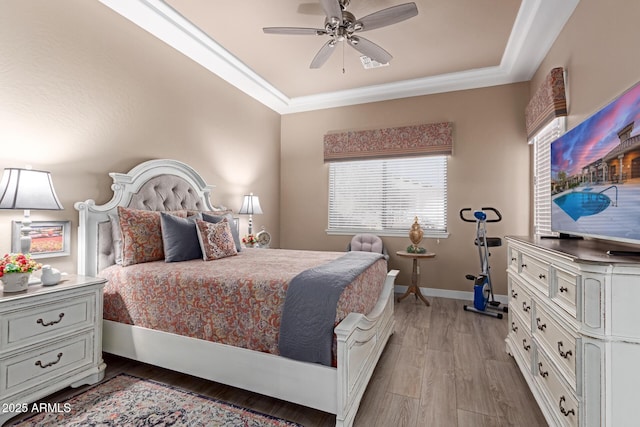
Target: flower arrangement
18, 263
249, 239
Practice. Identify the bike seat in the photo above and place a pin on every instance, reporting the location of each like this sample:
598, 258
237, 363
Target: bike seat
491, 242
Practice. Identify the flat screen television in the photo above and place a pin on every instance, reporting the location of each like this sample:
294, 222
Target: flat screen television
595, 174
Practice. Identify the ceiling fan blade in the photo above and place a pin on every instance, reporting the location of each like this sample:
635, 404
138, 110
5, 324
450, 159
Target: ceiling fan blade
370, 49
295, 31
323, 54
388, 16
332, 9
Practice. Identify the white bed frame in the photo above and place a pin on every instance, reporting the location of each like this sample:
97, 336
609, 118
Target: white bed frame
360, 339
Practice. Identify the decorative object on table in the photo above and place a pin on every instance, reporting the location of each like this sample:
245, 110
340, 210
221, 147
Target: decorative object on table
48, 238
50, 276
264, 238
128, 400
415, 235
249, 240
15, 270
27, 189
250, 206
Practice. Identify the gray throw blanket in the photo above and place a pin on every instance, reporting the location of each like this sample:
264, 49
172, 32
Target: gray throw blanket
309, 313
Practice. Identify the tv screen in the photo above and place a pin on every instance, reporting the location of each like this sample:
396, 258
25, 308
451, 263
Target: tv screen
595, 174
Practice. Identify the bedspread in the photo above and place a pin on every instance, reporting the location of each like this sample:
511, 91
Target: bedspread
236, 300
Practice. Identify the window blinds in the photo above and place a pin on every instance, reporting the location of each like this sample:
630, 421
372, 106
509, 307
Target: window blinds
384, 195
542, 175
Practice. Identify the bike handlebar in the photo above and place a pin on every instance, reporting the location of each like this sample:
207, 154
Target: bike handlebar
496, 212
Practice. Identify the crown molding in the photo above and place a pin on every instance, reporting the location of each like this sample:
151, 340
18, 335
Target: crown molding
537, 25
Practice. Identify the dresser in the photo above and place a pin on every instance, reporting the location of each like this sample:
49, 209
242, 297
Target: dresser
50, 338
574, 329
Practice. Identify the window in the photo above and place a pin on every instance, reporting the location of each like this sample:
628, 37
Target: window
383, 196
542, 174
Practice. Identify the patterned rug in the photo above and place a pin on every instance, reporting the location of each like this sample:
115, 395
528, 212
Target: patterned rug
126, 400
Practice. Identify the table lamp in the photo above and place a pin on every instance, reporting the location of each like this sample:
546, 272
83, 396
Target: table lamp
250, 206
27, 189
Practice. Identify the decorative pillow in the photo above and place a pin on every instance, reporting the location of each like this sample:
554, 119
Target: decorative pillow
216, 240
142, 235
180, 238
116, 237
229, 217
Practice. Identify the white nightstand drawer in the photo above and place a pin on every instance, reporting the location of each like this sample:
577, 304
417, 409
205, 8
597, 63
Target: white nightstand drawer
42, 322
42, 364
562, 399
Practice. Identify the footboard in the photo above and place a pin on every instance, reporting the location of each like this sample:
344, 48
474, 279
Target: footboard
361, 340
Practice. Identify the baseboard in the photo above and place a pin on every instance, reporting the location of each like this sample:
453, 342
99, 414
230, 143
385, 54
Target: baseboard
444, 293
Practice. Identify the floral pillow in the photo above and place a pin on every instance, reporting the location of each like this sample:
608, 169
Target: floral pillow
216, 240
142, 235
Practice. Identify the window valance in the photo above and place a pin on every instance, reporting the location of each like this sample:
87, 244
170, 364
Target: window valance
547, 103
418, 140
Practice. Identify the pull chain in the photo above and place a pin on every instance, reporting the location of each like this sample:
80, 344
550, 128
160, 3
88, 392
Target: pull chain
343, 72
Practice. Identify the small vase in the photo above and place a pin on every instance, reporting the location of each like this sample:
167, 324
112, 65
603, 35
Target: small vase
416, 234
15, 282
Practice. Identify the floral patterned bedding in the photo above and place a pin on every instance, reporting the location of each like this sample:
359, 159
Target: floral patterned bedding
236, 300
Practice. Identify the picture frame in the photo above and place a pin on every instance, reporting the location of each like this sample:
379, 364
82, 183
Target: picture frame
48, 238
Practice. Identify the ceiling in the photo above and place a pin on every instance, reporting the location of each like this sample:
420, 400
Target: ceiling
450, 45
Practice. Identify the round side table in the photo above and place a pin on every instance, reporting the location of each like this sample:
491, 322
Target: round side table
414, 288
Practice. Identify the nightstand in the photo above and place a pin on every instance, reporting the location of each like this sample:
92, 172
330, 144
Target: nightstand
50, 338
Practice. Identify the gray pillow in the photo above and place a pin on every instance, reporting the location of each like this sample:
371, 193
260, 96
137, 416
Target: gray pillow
234, 230
180, 238
116, 237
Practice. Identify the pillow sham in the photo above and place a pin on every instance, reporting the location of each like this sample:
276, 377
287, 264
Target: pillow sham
179, 237
216, 240
229, 217
142, 235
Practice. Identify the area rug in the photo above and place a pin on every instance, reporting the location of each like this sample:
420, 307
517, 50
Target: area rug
125, 400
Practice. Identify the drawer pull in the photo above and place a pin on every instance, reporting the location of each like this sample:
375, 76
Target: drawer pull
543, 374
525, 345
53, 322
541, 327
563, 410
39, 363
523, 265
525, 307
562, 353
514, 259
514, 294
514, 328
563, 289
541, 276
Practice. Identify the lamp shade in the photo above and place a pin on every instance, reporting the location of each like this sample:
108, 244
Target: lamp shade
250, 205
28, 189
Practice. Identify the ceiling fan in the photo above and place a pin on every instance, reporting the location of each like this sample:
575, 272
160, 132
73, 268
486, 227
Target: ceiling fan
341, 25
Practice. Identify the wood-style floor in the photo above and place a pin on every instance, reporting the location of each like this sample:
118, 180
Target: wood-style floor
442, 367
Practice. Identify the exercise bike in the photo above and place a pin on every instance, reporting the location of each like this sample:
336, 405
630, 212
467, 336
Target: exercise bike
483, 298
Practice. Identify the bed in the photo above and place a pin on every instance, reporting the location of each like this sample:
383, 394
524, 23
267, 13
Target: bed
248, 356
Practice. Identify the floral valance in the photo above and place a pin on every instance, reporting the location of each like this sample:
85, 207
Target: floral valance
418, 140
548, 102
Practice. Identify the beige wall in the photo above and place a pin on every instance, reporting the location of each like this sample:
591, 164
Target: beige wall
598, 47
84, 92
489, 167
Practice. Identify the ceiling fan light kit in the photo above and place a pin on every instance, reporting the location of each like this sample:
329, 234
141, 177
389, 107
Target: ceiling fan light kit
341, 25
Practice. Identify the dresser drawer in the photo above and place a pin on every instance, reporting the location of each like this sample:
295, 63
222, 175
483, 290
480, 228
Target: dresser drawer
519, 299
25, 370
513, 258
536, 270
521, 334
562, 401
558, 342
43, 322
565, 294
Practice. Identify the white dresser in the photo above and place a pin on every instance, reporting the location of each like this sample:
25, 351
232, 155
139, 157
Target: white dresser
50, 338
574, 316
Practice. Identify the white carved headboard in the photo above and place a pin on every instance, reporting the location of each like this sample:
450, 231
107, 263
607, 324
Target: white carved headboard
157, 185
